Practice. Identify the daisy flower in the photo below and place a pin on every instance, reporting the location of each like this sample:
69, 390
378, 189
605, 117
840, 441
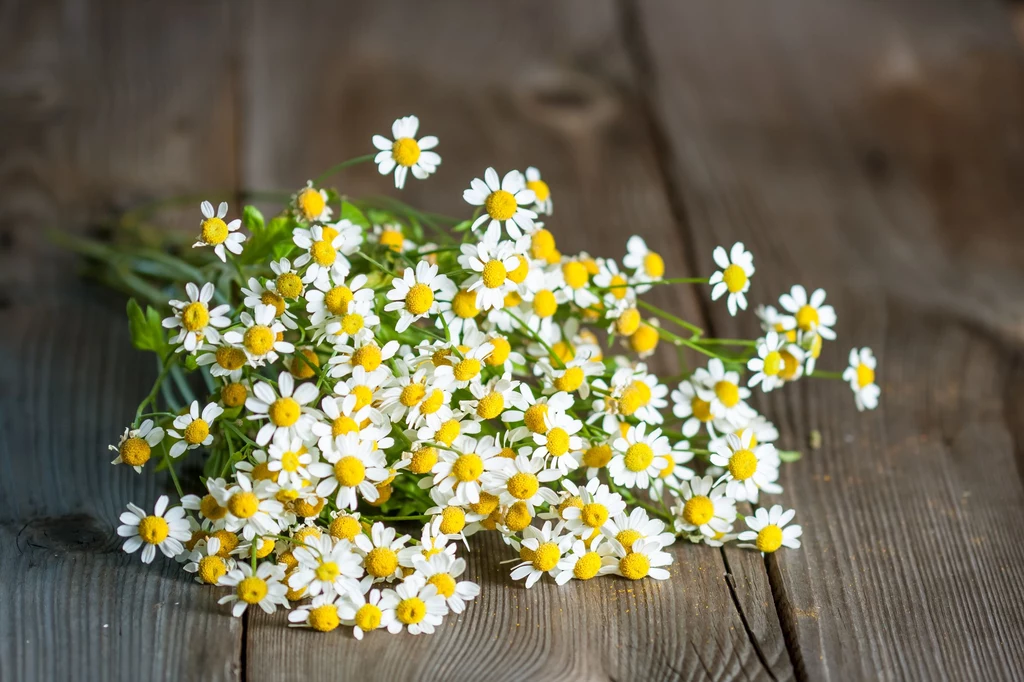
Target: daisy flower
641, 394
544, 296
572, 376
289, 459
584, 561
263, 588
541, 191
416, 399
465, 370
768, 530
345, 416
533, 416
627, 530
326, 250
285, 409
458, 314
262, 337
749, 468
491, 399
432, 541
722, 391
503, 202
768, 365
442, 571
861, 377
165, 529
326, 565
521, 482
643, 559
251, 508
414, 605
734, 277
310, 204
809, 314
136, 445
207, 564
647, 265
596, 456
613, 283
574, 278
379, 553
413, 294
363, 352
560, 441
213, 231
392, 238
599, 505
704, 508
197, 321
546, 547
406, 153
465, 470
639, 457
773, 321
322, 614
674, 472
192, 429
449, 431
491, 260
363, 612
333, 301
351, 466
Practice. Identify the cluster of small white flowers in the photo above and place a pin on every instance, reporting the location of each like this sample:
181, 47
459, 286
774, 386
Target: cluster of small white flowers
366, 370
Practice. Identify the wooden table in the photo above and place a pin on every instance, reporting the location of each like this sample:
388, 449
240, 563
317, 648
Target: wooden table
872, 148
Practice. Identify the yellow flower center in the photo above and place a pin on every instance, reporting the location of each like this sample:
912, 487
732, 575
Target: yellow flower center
698, 510
575, 274
468, 467
542, 244
368, 617
772, 363
196, 432
628, 322
500, 205
534, 418
284, 412
243, 504
343, 425
523, 485
405, 151
494, 274
289, 285
807, 318
392, 239
448, 432
153, 530
381, 562
654, 265
337, 299
324, 618
423, 460
419, 299
742, 464
444, 583
453, 520
587, 566
464, 304
518, 517
349, 471
134, 452
618, 286
304, 369
490, 406
487, 504
230, 358
865, 375
634, 566
570, 380
307, 510
638, 457
327, 572
728, 393
344, 527
644, 339
412, 394
252, 590
269, 297
215, 231
310, 203
233, 395
507, 453
594, 514
368, 357
735, 278
790, 365
195, 316
540, 189
323, 253
228, 542
411, 611
518, 274
769, 538
433, 403
290, 461
364, 396
212, 569
259, 339
544, 303
308, 533
564, 351
627, 537
597, 456
546, 556
558, 441
209, 508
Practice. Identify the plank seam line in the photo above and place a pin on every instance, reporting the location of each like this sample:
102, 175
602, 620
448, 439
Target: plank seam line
730, 580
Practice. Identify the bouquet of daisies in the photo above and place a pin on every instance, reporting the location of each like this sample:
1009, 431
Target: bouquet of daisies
364, 386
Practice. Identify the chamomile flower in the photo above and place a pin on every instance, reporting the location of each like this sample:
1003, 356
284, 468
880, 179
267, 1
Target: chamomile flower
417, 398
442, 570
165, 529
644, 559
289, 459
491, 399
543, 299
627, 530
809, 314
262, 336
640, 457
327, 249
768, 366
459, 424
432, 541
361, 352
768, 530
750, 467
546, 547
458, 314
861, 377
675, 471
571, 376
614, 285
521, 481
198, 322
574, 280
224, 360
379, 553
406, 153
352, 466
734, 277
640, 394
285, 409
392, 238
321, 614
364, 612
490, 259
774, 321
503, 202
465, 471
596, 456
465, 370
414, 294
262, 587
251, 507
327, 301
310, 204
647, 265
326, 565
704, 508
541, 191
255, 294
213, 231
206, 563
722, 390
583, 562
690, 405
414, 605
599, 505
136, 445
344, 415
560, 443
192, 429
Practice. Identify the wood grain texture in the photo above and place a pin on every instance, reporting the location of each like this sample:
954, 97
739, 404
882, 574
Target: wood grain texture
871, 149
508, 91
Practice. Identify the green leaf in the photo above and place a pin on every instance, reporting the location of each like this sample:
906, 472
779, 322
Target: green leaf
252, 219
146, 331
790, 455
350, 212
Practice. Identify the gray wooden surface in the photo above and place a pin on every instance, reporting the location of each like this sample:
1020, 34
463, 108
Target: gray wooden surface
875, 149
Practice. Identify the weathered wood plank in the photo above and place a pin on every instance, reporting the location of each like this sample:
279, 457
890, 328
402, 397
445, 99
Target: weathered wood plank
104, 105
508, 85
870, 149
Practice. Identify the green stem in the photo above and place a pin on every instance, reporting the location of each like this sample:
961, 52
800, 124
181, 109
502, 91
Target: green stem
536, 337
671, 318
821, 374
166, 364
341, 166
